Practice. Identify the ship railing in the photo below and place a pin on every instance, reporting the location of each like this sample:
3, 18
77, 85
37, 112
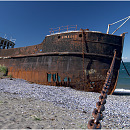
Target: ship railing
63, 28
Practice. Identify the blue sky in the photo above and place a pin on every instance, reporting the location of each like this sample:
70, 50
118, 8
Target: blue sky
29, 21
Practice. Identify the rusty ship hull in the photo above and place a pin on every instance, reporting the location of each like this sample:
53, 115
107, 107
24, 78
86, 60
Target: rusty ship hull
76, 59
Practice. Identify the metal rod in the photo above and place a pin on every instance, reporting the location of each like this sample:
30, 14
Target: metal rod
125, 68
121, 25
83, 42
127, 18
108, 28
120, 20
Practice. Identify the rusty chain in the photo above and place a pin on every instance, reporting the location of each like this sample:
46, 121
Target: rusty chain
97, 113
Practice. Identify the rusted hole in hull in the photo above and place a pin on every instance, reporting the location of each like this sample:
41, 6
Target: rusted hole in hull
54, 77
59, 80
48, 77
69, 79
65, 79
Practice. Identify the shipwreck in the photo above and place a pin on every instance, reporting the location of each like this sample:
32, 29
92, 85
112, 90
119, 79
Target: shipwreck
74, 58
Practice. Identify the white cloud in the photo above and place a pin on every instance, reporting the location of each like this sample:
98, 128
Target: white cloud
124, 58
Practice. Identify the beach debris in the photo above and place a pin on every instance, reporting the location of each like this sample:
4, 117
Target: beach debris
28, 127
35, 117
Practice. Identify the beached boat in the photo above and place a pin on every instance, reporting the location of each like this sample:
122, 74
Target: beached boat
78, 59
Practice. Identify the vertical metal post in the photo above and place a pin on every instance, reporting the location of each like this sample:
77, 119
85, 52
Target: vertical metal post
83, 57
7, 47
76, 27
3, 44
12, 45
108, 28
0, 44
51, 77
51, 31
59, 29
56, 77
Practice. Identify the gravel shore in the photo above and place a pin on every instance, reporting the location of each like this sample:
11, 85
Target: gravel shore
24, 106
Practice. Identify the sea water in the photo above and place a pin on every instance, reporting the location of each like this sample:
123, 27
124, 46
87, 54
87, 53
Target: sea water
124, 78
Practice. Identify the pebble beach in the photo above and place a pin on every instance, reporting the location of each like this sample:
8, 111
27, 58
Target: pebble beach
31, 106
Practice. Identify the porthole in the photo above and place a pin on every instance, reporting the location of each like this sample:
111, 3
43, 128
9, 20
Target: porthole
58, 37
80, 35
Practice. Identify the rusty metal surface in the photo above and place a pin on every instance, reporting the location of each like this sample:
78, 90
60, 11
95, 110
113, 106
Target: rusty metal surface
97, 113
59, 60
